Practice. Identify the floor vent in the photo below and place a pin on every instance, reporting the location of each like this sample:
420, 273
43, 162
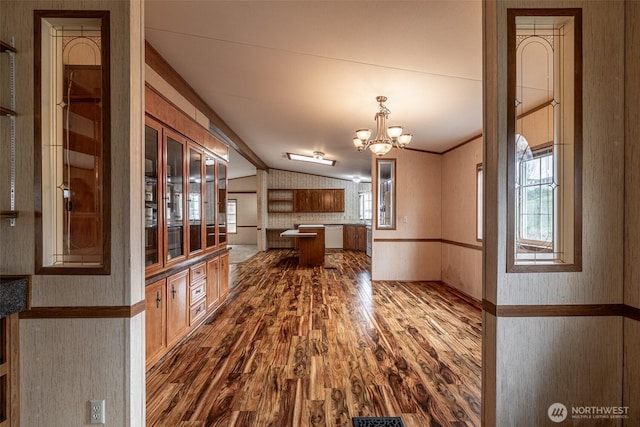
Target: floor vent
378, 422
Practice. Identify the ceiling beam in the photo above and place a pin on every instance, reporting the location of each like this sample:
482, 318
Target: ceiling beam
221, 128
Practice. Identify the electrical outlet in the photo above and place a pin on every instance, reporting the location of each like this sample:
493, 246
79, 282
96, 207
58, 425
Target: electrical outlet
96, 412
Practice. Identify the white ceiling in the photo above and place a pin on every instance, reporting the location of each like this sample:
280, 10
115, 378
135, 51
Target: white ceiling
299, 76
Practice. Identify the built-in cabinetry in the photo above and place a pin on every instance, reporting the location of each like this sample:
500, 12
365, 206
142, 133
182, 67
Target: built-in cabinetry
185, 199
186, 259
9, 394
305, 200
8, 111
178, 303
354, 237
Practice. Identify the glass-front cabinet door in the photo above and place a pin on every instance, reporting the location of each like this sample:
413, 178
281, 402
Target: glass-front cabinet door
222, 203
175, 234
194, 205
152, 191
210, 200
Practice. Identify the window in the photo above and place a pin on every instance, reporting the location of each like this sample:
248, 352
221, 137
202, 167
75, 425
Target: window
544, 147
232, 216
364, 206
536, 194
72, 142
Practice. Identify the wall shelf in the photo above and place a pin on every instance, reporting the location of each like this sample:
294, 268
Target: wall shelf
7, 112
8, 214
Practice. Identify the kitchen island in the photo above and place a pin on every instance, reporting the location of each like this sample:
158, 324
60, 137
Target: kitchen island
310, 243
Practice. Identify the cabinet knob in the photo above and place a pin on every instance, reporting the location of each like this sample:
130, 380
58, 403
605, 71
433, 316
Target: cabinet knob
158, 299
173, 291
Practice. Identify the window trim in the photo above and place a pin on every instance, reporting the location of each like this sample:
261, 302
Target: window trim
105, 30
512, 266
235, 215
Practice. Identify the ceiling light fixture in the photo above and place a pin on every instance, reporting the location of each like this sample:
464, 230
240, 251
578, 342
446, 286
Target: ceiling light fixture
317, 157
386, 138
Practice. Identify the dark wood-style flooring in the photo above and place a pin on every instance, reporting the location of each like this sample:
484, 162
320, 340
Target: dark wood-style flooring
311, 346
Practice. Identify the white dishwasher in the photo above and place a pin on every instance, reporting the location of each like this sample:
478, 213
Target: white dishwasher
333, 236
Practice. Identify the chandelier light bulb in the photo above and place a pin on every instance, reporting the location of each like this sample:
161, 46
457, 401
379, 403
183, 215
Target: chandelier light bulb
363, 134
404, 139
394, 131
380, 148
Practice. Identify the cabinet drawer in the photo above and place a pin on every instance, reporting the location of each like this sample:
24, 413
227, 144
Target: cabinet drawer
198, 291
197, 311
198, 272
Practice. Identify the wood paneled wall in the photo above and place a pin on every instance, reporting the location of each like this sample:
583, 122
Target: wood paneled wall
66, 362
531, 362
416, 242
461, 252
632, 209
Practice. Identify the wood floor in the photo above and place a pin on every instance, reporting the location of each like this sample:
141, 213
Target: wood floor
312, 346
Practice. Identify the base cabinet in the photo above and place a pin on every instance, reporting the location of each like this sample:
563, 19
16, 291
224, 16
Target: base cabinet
177, 304
155, 320
224, 275
177, 308
355, 237
213, 283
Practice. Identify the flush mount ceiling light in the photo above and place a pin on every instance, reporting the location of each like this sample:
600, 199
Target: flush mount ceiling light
317, 157
386, 138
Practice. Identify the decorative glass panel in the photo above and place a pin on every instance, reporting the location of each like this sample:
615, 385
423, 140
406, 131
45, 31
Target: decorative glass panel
151, 197
72, 142
222, 203
174, 199
195, 201
544, 148
210, 202
386, 176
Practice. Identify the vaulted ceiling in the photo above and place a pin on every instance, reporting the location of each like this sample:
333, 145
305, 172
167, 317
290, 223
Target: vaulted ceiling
301, 76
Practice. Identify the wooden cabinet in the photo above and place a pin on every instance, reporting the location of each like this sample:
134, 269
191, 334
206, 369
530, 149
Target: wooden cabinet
222, 204
197, 293
338, 200
305, 200
9, 371
280, 200
185, 199
213, 283
224, 275
155, 320
153, 212
177, 306
185, 202
354, 237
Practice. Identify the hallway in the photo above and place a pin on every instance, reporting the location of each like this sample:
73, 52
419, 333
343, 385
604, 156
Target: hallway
300, 346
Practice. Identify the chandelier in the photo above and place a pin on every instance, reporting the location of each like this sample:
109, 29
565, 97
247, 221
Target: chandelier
386, 138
